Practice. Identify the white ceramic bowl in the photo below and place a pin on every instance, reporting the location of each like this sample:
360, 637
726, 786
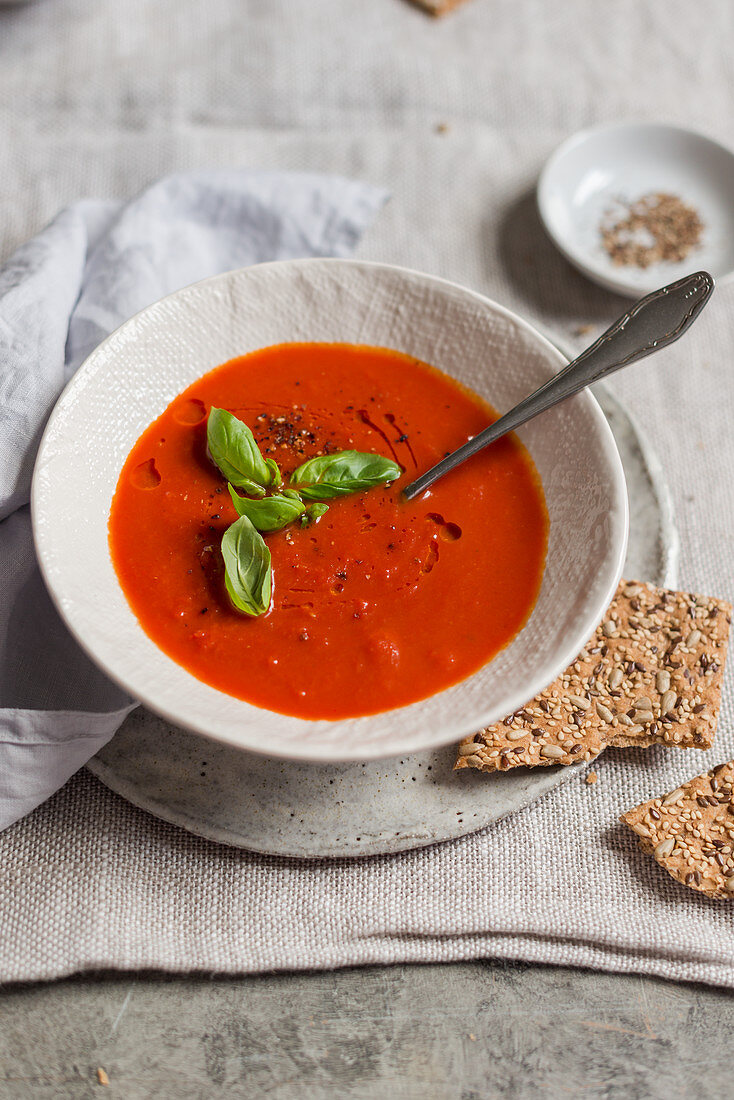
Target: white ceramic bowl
592, 170
131, 378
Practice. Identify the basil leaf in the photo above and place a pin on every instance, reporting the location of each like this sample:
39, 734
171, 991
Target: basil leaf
291, 493
340, 474
313, 514
276, 476
233, 448
251, 488
269, 514
248, 575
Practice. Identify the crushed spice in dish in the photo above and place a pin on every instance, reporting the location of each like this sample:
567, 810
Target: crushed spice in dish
655, 228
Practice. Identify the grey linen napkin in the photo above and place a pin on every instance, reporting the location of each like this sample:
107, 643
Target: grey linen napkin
97, 264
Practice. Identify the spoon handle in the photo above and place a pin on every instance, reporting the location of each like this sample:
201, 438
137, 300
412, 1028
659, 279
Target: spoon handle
649, 325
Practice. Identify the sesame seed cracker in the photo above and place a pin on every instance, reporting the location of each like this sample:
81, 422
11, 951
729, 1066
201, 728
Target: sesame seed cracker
651, 675
690, 831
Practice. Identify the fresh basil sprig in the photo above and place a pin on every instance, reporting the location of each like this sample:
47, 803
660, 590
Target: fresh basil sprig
338, 475
270, 514
247, 575
233, 448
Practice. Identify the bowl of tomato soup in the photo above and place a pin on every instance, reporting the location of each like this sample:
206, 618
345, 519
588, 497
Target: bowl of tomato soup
242, 559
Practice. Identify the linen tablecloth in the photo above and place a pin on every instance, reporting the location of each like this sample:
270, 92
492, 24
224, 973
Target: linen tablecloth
455, 119
97, 264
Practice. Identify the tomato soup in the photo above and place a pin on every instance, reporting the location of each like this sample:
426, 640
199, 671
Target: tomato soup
381, 602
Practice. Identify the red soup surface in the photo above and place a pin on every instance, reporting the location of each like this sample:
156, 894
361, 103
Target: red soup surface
380, 603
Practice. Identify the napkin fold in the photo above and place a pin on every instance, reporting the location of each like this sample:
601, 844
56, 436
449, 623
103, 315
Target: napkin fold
95, 265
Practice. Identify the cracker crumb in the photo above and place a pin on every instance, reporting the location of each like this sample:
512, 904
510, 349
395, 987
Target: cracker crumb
438, 7
591, 778
102, 1077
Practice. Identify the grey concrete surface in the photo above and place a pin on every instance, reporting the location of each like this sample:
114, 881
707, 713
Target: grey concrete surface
469, 1032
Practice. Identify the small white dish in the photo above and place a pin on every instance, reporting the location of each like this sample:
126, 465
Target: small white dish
591, 171
133, 376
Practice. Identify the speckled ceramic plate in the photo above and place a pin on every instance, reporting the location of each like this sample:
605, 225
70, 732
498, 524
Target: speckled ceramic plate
309, 810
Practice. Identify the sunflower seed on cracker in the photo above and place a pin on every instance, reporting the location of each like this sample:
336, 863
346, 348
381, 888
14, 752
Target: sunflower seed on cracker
690, 831
642, 686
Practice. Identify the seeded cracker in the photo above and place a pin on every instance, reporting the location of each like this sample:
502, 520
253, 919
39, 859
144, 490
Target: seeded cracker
651, 675
690, 832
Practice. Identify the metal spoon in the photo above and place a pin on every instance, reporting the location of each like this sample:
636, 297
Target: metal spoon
650, 324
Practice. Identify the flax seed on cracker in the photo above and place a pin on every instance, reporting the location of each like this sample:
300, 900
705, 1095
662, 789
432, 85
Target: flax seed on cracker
651, 675
690, 831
